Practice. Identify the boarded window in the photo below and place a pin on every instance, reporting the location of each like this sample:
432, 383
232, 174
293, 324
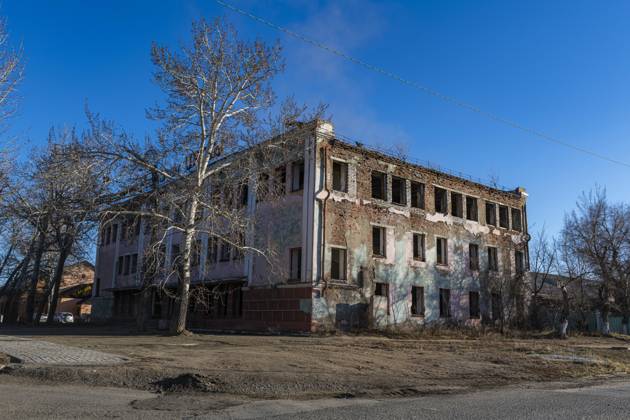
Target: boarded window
338, 263
516, 220
417, 195
441, 247
493, 260
340, 176
445, 303
473, 257
379, 182
381, 289
419, 246
378, 241
504, 217
472, 211
440, 200
457, 208
491, 214
297, 176
473, 305
399, 191
417, 301
295, 264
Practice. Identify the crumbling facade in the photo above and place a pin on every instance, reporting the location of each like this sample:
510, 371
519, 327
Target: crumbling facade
361, 239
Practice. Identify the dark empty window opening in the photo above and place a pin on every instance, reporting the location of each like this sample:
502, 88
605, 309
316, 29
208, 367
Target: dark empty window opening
519, 262
127, 264
399, 191
440, 200
297, 176
493, 261
337, 263
473, 305
497, 310
504, 217
457, 209
417, 301
340, 176
134, 263
417, 195
379, 183
473, 257
378, 241
445, 303
381, 289
472, 209
442, 251
419, 247
225, 250
295, 264
244, 195
211, 256
280, 179
516, 220
491, 214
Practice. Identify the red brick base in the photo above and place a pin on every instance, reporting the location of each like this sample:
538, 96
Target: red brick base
268, 309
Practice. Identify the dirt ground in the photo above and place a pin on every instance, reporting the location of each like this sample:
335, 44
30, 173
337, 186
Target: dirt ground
345, 366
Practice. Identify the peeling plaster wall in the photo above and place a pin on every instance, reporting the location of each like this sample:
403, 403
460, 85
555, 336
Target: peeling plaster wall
348, 224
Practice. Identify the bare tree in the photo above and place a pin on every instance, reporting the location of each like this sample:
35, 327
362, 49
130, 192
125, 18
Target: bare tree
542, 264
572, 271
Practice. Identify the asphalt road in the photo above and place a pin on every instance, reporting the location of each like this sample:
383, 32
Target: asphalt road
20, 399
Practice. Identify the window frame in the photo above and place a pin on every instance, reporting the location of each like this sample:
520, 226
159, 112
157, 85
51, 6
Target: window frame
382, 238
342, 261
493, 221
297, 175
298, 263
340, 184
519, 214
457, 204
402, 182
473, 215
417, 195
418, 248
383, 188
474, 311
493, 258
417, 296
505, 225
473, 261
445, 302
443, 202
441, 251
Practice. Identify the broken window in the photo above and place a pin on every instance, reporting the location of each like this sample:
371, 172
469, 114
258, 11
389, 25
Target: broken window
496, 306
297, 176
440, 200
295, 263
445, 303
519, 262
378, 241
280, 179
244, 195
379, 183
504, 217
195, 253
472, 209
340, 176
516, 220
211, 255
493, 260
337, 263
381, 289
473, 305
419, 246
457, 208
399, 191
224, 254
491, 213
417, 195
417, 301
119, 265
473, 257
442, 251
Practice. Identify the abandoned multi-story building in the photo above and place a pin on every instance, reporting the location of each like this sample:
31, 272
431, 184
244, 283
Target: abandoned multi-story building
364, 240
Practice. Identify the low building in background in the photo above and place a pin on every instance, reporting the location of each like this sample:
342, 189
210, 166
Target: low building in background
361, 239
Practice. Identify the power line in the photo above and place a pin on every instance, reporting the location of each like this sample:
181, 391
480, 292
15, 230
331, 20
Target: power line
425, 89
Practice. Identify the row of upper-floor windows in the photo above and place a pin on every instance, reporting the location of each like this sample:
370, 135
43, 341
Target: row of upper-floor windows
461, 205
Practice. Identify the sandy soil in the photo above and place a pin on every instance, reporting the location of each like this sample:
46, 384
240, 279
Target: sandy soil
339, 366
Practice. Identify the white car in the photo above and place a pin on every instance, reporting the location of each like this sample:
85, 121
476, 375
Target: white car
64, 318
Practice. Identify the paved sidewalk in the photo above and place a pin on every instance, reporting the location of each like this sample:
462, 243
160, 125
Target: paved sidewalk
44, 353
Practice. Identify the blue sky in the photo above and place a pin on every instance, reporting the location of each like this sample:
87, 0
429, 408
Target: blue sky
561, 67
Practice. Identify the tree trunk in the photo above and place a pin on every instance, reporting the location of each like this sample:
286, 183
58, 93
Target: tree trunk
564, 320
178, 322
56, 281
605, 320
32, 293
